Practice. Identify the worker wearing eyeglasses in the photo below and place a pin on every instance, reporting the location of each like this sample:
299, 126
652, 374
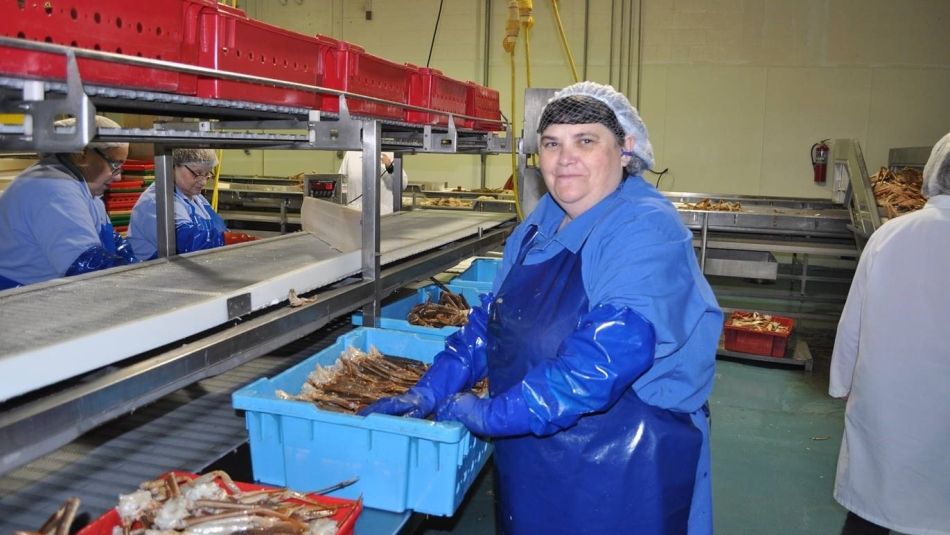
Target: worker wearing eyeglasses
53, 222
197, 225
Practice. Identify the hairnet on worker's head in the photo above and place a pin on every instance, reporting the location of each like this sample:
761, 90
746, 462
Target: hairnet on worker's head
101, 122
203, 157
624, 113
937, 170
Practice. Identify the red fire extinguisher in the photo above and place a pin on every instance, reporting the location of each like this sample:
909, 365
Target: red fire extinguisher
819, 160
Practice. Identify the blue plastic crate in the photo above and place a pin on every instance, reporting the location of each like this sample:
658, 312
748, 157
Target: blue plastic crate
402, 463
393, 315
481, 270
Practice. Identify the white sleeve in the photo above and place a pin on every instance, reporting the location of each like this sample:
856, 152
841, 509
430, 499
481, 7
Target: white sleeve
847, 340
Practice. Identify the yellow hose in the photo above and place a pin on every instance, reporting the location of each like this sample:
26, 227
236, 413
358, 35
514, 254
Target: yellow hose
217, 174
520, 15
560, 30
511, 27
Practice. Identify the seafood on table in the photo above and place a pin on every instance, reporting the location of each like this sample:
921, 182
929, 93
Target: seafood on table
756, 321
446, 202
713, 206
451, 311
213, 504
358, 379
897, 192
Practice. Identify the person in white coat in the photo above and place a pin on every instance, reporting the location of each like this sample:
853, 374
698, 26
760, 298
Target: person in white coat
352, 168
891, 360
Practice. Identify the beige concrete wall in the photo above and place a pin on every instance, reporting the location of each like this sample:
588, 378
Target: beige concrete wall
734, 92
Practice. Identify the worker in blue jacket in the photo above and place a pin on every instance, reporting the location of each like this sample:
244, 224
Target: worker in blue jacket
53, 222
197, 225
598, 342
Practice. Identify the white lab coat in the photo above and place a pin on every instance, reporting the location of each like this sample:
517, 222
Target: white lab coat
352, 168
892, 359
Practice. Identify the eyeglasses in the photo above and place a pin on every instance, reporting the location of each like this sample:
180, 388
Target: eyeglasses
203, 176
114, 165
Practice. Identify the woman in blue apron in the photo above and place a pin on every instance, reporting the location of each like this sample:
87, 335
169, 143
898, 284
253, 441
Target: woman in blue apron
197, 226
52, 219
598, 340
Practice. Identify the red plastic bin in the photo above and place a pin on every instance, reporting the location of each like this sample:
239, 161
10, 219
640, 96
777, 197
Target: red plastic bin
756, 342
127, 183
345, 517
347, 67
157, 29
117, 202
230, 41
483, 102
138, 165
429, 88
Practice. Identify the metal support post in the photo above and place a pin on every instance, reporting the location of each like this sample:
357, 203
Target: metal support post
397, 182
165, 201
703, 242
370, 220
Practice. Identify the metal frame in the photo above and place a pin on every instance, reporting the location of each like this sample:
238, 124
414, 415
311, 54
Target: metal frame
31, 428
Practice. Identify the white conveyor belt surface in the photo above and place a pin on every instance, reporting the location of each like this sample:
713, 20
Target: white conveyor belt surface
57, 330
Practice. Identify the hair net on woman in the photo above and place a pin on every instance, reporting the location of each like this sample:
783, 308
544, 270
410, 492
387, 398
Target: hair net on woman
937, 170
101, 122
590, 102
194, 156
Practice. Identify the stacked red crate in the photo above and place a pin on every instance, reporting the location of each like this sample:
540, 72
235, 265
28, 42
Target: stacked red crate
208, 34
429, 88
347, 67
230, 41
483, 102
157, 29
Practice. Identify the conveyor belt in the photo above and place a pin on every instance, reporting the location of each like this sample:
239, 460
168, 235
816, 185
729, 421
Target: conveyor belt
62, 328
186, 430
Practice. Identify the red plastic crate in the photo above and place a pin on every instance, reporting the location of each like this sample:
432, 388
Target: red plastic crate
429, 88
157, 29
138, 165
230, 41
117, 202
483, 102
755, 342
346, 517
127, 183
347, 67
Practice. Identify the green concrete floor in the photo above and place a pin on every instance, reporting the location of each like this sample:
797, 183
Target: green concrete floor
775, 439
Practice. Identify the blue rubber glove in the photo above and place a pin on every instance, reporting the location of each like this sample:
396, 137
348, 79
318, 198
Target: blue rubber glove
501, 416
94, 259
190, 237
123, 249
608, 351
457, 367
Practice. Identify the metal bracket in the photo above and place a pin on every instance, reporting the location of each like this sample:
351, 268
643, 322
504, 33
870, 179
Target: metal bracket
498, 144
239, 305
343, 134
39, 133
440, 142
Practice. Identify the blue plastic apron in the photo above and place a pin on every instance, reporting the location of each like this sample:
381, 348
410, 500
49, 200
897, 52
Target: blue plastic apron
629, 469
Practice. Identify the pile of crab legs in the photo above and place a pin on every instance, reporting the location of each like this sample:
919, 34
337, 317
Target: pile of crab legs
212, 504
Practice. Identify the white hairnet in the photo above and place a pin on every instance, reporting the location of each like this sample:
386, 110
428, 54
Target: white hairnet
626, 114
101, 122
205, 157
937, 170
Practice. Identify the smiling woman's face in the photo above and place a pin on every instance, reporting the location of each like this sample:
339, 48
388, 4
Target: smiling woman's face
581, 163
